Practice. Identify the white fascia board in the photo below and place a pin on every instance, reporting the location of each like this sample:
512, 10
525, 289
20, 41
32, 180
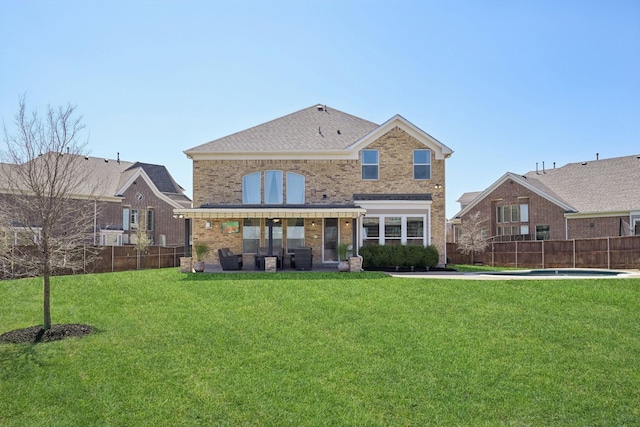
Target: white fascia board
441, 151
140, 173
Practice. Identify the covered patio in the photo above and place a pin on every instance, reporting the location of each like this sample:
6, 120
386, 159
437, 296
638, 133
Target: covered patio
257, 231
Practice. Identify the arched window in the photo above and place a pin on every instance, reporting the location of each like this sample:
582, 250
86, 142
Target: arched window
273, 187
252, 186
251, 189
295, 188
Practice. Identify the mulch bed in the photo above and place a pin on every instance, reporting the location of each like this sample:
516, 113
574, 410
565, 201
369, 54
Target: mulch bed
35, 334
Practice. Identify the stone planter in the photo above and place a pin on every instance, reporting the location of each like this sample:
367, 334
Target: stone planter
343, 266
198, 266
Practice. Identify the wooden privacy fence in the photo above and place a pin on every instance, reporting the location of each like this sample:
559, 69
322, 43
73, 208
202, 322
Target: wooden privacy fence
607, 252
123, 258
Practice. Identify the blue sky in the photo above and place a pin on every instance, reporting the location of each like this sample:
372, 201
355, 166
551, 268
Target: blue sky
505, 84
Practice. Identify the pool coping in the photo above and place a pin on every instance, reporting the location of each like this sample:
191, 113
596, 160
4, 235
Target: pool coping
458, 275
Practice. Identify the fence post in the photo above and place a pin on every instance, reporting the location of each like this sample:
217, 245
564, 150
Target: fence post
492, 255
113, 259
542, 253
516, 254
574, 253
608, 254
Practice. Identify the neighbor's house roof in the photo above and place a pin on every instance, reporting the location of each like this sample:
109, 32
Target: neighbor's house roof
467, 198
596, 187
109, 178
314, 132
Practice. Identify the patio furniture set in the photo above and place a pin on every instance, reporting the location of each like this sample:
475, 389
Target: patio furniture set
300, 259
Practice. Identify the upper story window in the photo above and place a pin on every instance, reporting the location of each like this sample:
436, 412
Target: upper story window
421, 164
370, 164
273, 188
251, 187
295, 188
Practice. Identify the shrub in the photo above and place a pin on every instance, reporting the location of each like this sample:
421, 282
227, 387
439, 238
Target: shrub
380, 256
431, 256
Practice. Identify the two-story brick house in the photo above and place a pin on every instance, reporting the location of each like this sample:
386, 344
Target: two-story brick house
588, 199
125, 198
318, 177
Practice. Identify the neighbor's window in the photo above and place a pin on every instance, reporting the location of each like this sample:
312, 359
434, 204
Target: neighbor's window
125, 219
251, 189
295, 233
250, 235
421, 164
524, 213
150, 220
295, 188
135, 219
542, 232
484, 231
514, 213
370, 164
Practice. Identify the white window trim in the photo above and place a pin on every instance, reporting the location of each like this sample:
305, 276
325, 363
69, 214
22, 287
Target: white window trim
422, 164
363, 164
398, 208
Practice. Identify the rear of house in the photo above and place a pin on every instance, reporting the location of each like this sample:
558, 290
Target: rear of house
316, 178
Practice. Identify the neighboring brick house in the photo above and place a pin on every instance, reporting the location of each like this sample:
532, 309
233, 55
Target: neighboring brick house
130, 195
318, 177
598, 198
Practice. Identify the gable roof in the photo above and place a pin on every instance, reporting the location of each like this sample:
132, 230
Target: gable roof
598, 186
160, 177
108, 178
310, 132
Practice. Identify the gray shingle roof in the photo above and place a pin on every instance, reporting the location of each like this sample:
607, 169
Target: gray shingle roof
107, 176
160, 176
316, 128
606, 185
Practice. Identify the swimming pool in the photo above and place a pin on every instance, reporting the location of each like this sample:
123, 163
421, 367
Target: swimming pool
557, 272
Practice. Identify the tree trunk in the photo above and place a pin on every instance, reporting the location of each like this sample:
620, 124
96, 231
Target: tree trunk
47, 301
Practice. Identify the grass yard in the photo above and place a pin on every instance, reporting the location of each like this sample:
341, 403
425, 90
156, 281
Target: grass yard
308, 349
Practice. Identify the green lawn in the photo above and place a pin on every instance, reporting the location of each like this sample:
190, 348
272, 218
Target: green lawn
308, 349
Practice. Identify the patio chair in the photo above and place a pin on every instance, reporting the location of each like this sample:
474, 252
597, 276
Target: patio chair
229, 260
302, 259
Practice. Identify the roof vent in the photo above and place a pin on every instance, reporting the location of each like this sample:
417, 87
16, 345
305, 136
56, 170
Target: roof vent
320, 107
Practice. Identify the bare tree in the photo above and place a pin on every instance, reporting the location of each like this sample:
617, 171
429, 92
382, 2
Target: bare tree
50, 203
142, 239
471, 240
